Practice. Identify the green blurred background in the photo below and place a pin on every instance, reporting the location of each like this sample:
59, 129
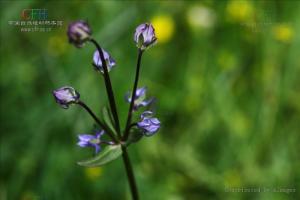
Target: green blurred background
226, 78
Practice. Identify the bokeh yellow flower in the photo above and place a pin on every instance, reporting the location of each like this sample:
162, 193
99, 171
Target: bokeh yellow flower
201, 17
57, 45
283, 33
164, 27
28, 195
93, 173
239, 11
232, 178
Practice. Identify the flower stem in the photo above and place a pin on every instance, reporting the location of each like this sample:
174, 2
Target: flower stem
109, 89
129, 116
130, 174
130, 126
102, 125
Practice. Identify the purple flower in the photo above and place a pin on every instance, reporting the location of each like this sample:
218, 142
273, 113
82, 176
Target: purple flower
144, 36
78, 33
86, 140
149, 124
139, 100
65, 96
110, 62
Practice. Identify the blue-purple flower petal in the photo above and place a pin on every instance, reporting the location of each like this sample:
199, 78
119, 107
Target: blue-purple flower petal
86, 140
78, 33
140, 96
110, 62
144, 36
148, 124
65, 96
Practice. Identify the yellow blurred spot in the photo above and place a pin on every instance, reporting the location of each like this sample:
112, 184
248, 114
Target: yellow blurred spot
239, 11
283, 33
164, 27
232, 178
93, 173
57, 45
201, 17
29, 195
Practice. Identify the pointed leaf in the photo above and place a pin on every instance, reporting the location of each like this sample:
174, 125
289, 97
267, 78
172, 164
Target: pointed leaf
108, 120
108, 154
134, 136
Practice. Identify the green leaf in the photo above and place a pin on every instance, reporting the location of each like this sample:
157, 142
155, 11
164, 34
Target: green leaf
108, 120
134, 136
108, 154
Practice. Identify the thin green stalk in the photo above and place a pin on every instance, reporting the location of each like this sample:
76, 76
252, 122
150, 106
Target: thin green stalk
101, 124
109, 89
130, 174
129, 116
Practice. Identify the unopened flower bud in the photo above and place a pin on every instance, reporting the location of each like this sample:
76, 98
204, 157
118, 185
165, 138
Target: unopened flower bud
78, 33
65, 96
110, 62
144, 36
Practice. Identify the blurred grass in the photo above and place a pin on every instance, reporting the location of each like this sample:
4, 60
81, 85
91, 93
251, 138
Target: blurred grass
226, 78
